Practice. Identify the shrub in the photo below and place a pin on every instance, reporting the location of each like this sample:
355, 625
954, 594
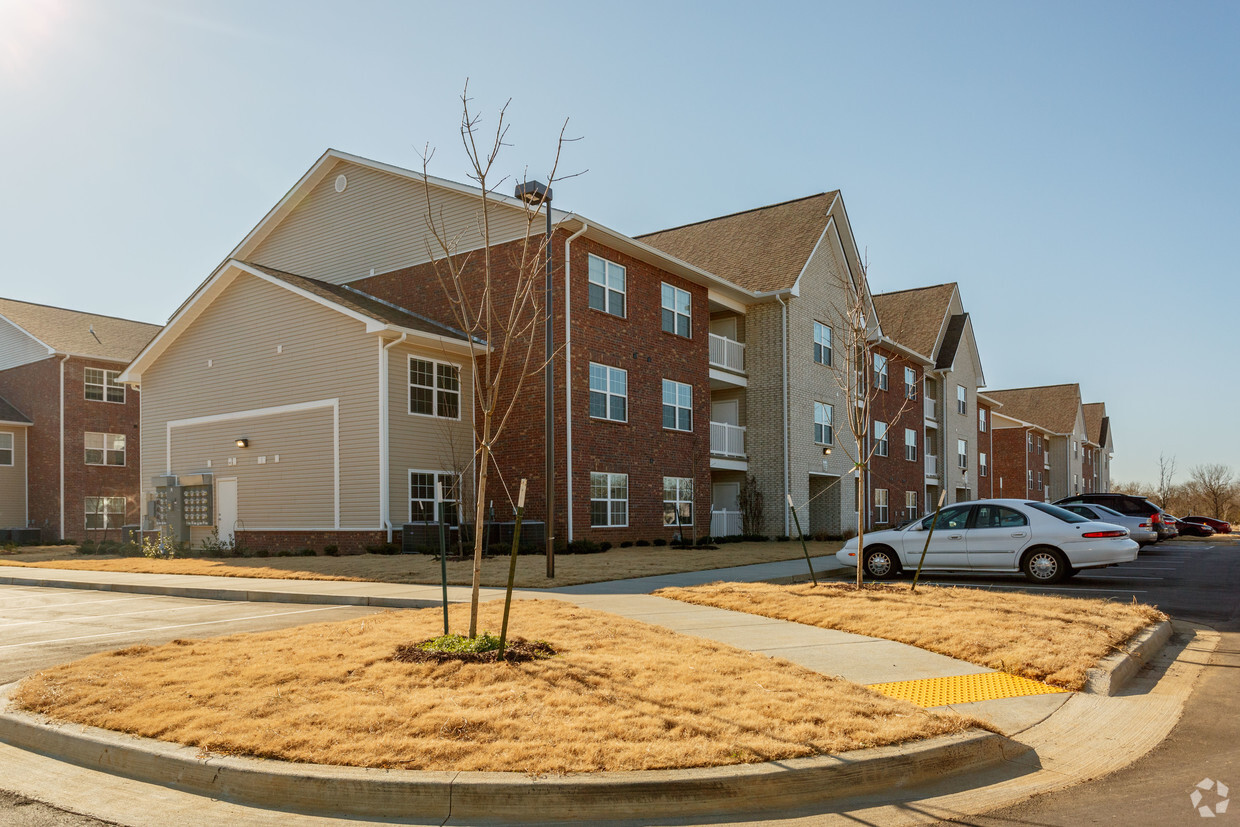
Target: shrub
161, 547
284, 553
642, 543
783, 538
262, 552
498, 549
384, 548
307, 552
704, 540
582, 547
659, 541
88, 547
604, 546
332, 551
754, 538
626, 544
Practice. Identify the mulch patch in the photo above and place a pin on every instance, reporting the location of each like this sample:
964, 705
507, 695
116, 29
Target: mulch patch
517, 650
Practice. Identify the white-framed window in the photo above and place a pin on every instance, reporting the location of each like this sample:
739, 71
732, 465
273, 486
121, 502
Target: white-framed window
1076, 486
910, 505
962, 404
677, 501
880, 505
105, 449
434, 388
962, 454
982, 468
910, 383
880, 371
880, 439
1075, 455
609, 500
609, 393
607, 288
1040, 484
910, 445
6, 448
105, 512
677, 406
981, 419
824, 414
676, 316
1028, 442
1029, 480
822, 344
102, 385
426, 504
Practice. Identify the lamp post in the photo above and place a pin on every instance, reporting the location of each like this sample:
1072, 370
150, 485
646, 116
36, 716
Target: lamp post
537, 194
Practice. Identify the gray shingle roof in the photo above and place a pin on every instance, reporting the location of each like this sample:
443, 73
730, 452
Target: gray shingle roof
10, 414
80, 333
914, 317
1053, 407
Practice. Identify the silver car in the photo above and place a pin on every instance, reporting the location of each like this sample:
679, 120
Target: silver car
1139, 528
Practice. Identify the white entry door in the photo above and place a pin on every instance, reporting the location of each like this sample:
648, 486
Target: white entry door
226, 507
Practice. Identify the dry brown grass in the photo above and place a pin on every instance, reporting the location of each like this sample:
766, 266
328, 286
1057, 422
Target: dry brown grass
620, 695
1051, 639
570, 569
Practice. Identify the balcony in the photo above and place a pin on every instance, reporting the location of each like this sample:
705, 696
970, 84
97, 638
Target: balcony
932, 409
725, 523
727, 440
729, 355
932, 465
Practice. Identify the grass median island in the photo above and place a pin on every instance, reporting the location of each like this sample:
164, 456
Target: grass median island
570, 569
1056, 640
618, 695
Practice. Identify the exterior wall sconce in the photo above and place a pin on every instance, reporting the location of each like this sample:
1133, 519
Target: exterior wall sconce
826, 452
244, 442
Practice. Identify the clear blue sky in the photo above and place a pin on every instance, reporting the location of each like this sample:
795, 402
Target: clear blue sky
1072, 166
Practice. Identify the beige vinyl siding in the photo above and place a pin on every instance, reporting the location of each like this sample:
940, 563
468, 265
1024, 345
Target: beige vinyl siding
733, 395
18, 348
378, 223
13, 481
421, 442
323, 355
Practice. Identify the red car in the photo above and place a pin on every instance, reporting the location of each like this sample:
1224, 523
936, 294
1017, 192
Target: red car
1187, 529
1220, 526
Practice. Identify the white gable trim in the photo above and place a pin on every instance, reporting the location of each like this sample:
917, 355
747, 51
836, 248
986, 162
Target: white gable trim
50, 350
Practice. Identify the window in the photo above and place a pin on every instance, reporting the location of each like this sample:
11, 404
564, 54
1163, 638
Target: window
1028, 443
6, 448
1040, 481
981, 419
606, 286
101, 385
910, 505
910, 445
880, 438
609, 500
105, 512
677, 406
822, 344
1076, 488
1029, 481
1075, 455
676, 311
962, 406
910, 383
423, 497
434, 389
954, 518
823, 415
609, 393
982, 468
962, 454
678, 501
105, 449
880, 372
998, 516
880, 505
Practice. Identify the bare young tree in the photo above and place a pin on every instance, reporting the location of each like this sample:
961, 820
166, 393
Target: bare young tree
1166, 479
1216, 488
497, 303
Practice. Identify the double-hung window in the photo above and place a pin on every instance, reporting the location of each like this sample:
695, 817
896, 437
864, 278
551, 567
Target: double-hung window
427, 503
962, 405
1041, 484
823, 415
102, 385
6, 448
880, 371
1028, 442
910, 505
609, 500
677, 406
880, 506
910, 383
910, 445
607, 289
678, 501
981, 419
880, 438
676, 311
434, 389
822, 344
105, 449
609, 393
982, 469
1029, 479
105, 512
962, 454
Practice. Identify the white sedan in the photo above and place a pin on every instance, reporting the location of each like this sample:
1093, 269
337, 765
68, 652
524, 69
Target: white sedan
1046, 542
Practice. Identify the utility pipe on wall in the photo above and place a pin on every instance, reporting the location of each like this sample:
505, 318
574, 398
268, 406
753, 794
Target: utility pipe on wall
385, 485
568, 379
64, 359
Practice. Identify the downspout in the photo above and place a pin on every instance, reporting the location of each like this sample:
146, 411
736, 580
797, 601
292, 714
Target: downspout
787, 462
568, 381
385, 483
62, 447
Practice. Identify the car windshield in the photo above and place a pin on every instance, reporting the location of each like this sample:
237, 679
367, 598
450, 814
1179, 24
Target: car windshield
1102, 509
1058, 513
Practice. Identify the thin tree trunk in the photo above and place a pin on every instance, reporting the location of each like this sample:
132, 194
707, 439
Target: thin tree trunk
484, 458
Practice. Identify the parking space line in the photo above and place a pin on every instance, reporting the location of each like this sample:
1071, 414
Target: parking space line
4, 626
46, 605
177, 626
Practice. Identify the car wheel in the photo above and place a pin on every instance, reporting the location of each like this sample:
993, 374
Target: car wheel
1045, 566
881, 563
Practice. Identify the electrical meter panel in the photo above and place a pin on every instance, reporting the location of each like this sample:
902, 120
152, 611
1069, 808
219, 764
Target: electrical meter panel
198, 505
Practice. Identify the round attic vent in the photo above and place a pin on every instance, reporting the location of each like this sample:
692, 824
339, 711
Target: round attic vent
341, 183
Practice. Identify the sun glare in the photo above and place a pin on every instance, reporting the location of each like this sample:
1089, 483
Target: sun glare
26, 27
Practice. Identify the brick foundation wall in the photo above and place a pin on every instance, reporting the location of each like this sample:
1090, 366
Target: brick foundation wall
349, 542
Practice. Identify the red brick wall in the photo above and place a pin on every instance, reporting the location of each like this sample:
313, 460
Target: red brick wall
34, 389
894, 472
1087, 469
641, 447
1010, 462
985, 444
349, 542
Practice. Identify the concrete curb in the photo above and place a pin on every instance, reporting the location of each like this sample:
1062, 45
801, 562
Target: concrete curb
509, 797
1114, 671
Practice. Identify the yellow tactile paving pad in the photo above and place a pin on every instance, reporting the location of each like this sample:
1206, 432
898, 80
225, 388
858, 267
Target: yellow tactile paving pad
963, 689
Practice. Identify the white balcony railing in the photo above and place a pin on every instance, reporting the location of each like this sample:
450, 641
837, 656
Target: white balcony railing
725, 523
728, 440
726, 353
932, 409
932, 465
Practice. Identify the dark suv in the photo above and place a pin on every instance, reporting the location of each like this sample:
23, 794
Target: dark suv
1129, 504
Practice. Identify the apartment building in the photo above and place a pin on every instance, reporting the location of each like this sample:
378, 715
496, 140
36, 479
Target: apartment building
1056, 412
1099, 448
